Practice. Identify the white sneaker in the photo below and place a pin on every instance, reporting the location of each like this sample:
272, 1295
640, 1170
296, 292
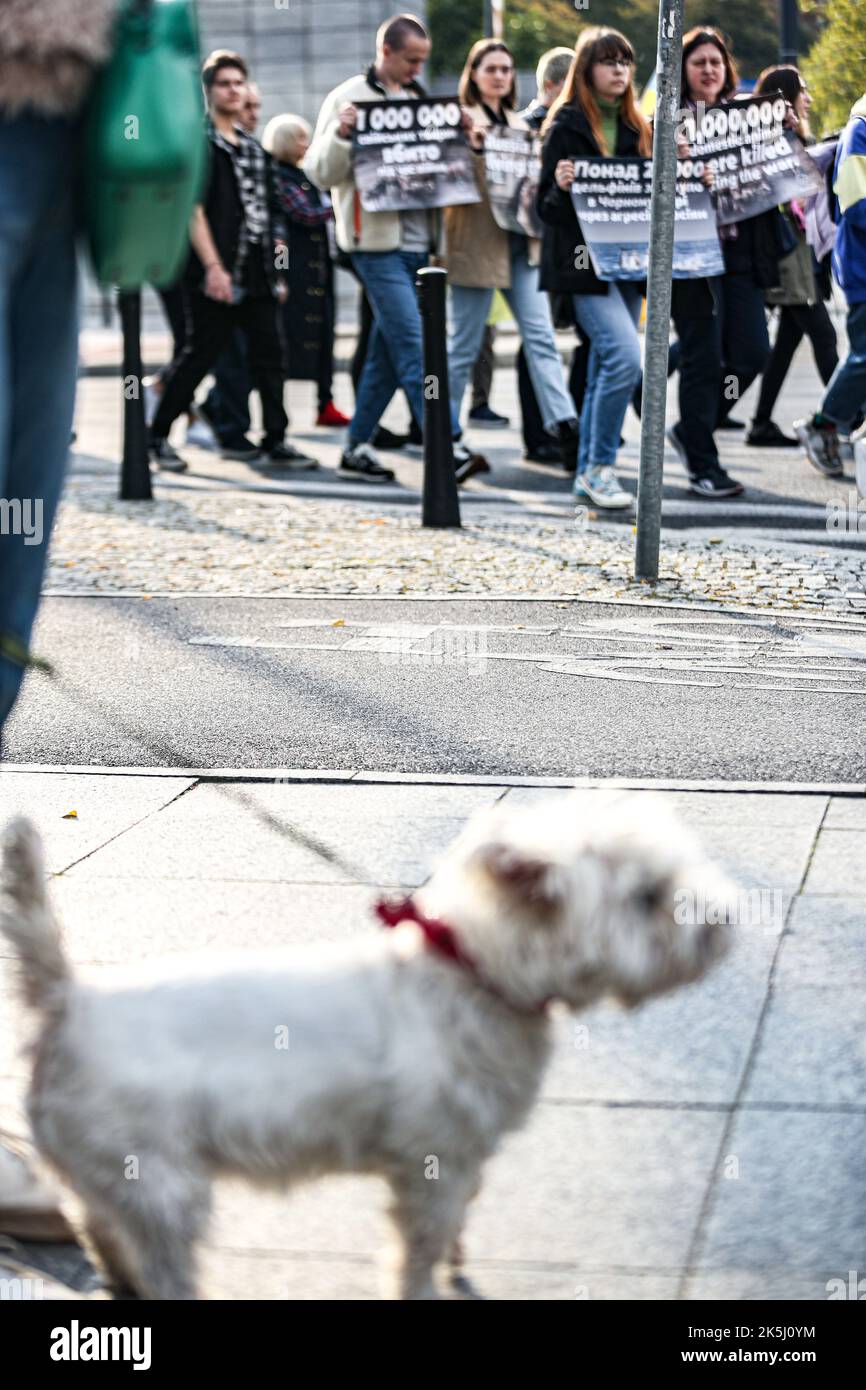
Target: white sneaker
152, 398
602, 487
202, 436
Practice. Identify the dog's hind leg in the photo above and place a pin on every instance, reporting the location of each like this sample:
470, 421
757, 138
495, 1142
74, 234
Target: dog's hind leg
114, 1261
428, 1217
145, 1234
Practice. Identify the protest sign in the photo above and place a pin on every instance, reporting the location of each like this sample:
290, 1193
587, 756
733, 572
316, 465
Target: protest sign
612, 201
756, 162
412, 154
512, 164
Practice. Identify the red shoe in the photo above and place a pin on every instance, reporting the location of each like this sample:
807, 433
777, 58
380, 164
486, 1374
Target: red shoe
332, 416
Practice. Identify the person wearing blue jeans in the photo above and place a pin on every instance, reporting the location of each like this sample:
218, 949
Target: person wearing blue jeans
386, 248
394, 350
610, 322
470, 306
845, 398
38, 358
483, 257
607, 311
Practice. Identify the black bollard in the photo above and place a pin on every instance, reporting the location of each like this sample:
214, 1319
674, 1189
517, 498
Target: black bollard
440, 506
135, 469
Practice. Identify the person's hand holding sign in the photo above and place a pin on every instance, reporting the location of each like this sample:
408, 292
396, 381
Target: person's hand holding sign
348, 116
474, 133
708, 178
564, 174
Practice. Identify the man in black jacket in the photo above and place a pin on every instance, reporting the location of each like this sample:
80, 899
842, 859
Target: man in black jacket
233, 275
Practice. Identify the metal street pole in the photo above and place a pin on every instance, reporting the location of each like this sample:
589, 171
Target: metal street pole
135, 467
439, 502
494, 19
661, 250
789, 27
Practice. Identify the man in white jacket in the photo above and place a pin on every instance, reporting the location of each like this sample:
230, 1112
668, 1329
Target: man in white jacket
387, 248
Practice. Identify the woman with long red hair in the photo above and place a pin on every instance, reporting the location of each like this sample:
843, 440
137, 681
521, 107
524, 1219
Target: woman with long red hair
595, 114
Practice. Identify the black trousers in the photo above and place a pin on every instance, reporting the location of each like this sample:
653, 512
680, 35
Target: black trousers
210, 326
700, 340
796, 322
745, 337
534, 433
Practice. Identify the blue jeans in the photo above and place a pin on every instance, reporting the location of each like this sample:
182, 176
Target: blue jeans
610, 322
845, 397
395, 354
531, 309
38, 356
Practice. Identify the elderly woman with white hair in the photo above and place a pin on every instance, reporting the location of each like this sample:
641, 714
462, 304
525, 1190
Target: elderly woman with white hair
308, 313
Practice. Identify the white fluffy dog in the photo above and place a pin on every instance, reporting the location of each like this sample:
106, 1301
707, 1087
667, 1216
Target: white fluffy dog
426, 1041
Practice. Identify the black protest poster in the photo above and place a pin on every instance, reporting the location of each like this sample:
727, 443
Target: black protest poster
612, 200
512, 165
756, 162
412, 154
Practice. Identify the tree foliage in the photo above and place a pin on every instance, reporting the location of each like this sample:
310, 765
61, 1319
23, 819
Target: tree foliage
836, 66
531, 26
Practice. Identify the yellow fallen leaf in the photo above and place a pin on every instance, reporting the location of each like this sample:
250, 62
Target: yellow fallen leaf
71, 815
339, 622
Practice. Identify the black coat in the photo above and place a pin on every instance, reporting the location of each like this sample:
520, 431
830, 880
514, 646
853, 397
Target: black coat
570, 137
308, 314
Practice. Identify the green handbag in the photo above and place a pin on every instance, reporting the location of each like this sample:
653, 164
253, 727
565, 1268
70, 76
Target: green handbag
145, 146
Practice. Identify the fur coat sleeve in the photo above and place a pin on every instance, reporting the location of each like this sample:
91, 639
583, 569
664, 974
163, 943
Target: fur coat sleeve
49, 50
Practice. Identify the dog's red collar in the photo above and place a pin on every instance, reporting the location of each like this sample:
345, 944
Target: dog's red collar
442, 939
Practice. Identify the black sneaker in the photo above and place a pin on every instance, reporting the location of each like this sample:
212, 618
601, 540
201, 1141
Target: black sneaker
765, 434
545, 453
285, 455
361, 463
165, 457
239, 447
487, 419
386, 439
468, 464
729, 423
714, 484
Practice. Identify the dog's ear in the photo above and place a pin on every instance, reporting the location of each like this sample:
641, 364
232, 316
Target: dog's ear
525, 876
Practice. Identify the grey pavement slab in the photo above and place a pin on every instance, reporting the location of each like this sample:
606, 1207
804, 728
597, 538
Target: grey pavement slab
796, 1210
812, 1049
105, 808
717, 809
839, 863
285, 833
689, 1047
846, 813
819, 916
604, 1187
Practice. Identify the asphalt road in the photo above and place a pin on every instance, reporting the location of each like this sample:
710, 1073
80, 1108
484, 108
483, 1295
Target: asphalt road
464, 686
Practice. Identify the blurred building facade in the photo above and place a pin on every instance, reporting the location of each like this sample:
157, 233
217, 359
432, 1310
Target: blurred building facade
298, 49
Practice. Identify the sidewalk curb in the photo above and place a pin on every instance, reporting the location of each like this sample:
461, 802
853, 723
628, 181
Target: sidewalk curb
345, 776
786, 615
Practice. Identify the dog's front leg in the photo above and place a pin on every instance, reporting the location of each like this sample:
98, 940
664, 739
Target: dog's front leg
428, 1217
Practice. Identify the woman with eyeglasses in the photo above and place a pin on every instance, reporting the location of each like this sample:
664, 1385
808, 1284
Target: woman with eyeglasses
595, 114
482, 257
805, 285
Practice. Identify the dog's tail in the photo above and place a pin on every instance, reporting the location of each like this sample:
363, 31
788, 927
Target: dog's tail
26, 919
